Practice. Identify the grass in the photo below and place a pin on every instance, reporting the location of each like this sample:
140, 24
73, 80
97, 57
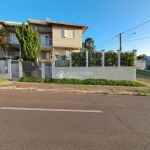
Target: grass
98, 82
138, 71
3, 80
144, 92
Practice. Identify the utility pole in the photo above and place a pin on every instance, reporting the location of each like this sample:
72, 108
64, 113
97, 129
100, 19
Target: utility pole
120, 41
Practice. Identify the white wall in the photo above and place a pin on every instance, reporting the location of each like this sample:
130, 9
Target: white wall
140, 64
112, 73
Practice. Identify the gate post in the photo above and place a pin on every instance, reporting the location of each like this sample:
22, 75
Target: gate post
103, 58
9, 69
119, 55
53, 63
20, 69
87, 58
43, 69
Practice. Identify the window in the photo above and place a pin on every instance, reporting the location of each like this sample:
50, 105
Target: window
67, 33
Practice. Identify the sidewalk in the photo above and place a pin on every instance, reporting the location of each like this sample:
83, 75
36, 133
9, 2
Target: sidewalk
67, 88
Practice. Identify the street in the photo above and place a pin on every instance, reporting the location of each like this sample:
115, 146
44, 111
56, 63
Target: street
65, 121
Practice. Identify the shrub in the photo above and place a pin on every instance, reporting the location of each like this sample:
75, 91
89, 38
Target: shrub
98, 82
4, 58
32, 79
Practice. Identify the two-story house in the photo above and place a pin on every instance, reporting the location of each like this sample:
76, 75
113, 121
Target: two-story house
58, 36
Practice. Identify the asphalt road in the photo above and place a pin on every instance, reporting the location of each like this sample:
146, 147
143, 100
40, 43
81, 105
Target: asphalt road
56, 121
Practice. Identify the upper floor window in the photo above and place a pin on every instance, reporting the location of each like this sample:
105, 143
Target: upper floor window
67, 33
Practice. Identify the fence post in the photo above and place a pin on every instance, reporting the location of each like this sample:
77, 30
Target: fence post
70, 57
9, 69
53, 62
103, 58
87, 58
134, 52
119, 56
20, 69
43, 69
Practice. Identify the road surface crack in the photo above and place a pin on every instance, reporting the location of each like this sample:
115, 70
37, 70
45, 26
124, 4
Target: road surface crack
90, 101
128, 125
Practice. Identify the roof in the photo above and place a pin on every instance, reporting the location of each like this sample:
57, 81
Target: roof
11, 23
47, 22
31, 21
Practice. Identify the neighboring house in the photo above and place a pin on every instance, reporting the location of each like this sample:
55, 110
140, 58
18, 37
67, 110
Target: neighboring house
143, 64
58, 36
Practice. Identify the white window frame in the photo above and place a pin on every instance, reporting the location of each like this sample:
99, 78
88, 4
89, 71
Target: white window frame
67, 33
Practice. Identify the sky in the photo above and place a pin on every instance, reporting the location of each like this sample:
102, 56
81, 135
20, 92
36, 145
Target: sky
105, 18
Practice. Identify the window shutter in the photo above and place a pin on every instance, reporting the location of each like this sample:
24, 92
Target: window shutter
64, 33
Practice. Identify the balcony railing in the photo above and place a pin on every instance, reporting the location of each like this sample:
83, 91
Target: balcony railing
45, 41
12, 40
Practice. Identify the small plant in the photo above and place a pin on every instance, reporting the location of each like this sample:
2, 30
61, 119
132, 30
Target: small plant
114, 89
64, 57
83, 88
144, 92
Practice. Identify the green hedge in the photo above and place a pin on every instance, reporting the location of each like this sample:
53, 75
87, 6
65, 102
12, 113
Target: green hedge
95, 59
111, 58
98, 82
32, 79
78, 59
127, 59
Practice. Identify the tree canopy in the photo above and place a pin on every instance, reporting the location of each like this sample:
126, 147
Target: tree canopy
29, 42
4, 45
142, 56
89, 44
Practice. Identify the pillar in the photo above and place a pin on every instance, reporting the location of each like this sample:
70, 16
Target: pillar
87, 58
70, 57
103, 58
9, 69
53, 63
134, 52
119, 56
43, 69
20, 69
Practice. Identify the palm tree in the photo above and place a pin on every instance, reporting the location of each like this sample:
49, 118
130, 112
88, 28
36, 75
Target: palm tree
89, 44
3, 43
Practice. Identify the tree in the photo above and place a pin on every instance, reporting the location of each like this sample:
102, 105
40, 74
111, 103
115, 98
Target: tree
142, 56
89, 44
29, 42
3, 42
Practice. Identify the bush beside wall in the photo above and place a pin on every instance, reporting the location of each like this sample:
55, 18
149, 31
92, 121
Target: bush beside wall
98, 82
32, 79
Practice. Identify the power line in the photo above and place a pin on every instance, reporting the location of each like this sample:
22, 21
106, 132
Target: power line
140, 39
136, 26
108, 41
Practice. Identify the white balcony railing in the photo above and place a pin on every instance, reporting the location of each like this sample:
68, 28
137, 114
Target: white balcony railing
45, 41
12, 40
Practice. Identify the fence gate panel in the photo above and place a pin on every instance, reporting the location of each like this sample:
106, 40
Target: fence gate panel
15, 69
48, 70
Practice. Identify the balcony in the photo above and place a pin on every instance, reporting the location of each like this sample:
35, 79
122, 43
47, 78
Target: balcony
12, 40
45, 42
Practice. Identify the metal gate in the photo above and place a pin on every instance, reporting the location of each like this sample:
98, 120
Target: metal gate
15, 69
48, 70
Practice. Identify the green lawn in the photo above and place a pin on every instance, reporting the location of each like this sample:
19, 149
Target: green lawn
3, 80
138, 71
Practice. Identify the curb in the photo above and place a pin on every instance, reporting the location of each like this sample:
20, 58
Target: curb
67, 91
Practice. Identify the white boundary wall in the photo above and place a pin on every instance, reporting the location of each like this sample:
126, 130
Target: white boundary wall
112, 73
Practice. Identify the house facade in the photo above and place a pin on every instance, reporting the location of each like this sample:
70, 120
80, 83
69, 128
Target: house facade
59, 36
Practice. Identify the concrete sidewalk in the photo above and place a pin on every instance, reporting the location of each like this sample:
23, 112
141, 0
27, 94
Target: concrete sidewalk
68, 88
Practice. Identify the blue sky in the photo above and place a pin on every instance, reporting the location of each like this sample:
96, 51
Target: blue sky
105, 18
